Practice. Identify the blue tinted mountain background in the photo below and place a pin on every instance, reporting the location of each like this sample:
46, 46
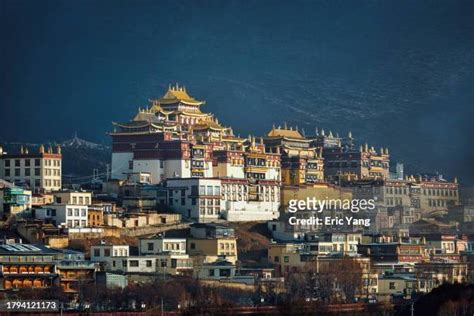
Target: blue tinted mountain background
395, 73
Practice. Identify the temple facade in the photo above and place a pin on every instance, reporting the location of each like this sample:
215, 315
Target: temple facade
346, 163
173, 139
301, 162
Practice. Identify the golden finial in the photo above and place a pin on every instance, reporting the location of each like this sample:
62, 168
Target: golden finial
455, 179
22, 151
41, 149
349, 135
386, 150
26, 151
58, 149
361, 149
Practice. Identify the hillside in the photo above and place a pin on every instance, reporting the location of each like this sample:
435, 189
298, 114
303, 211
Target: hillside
253, 239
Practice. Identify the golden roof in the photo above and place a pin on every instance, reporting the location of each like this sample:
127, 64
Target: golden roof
178, 94
208, 125
282, 132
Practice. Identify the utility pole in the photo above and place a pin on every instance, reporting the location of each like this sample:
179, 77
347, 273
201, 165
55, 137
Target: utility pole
162, 307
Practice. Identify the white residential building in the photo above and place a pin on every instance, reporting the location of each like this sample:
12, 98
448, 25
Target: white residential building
102, 252
39, 171
72, 216
209, 199
73, 197
195, 198
157, 245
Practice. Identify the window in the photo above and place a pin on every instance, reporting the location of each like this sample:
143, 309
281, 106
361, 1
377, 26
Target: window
7, 172
209, 190
150, 246
391, 285
27, 171
193, 246
17, 162
27, 162
106, 252
69, 212
148, 263
17, 172
76, 212
83, 212
37, 171
97, 253
37, 162
133, 263
7, 163
202, 190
